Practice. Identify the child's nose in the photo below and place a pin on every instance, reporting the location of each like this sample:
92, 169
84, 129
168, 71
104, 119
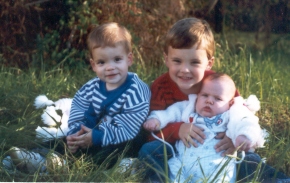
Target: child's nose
110, 66
209, 101
184, 68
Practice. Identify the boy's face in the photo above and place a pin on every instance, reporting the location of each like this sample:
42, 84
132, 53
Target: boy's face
111, 65
186, 67
215, 97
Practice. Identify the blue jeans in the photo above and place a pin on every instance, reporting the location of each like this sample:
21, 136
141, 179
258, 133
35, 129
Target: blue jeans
247, 169
152, 154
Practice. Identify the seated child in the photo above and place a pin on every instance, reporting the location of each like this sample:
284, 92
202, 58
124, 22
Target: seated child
111, 108
215, 110
108, 111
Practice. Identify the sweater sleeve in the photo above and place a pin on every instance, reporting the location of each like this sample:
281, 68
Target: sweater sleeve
79, 105
126, 124
170, 115
244, 122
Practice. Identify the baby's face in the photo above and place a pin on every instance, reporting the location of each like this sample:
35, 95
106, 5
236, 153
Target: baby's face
214, 98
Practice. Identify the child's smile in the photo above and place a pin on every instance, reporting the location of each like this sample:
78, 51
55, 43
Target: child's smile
187, 66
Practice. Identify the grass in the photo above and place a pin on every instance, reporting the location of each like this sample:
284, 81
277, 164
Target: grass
265, 74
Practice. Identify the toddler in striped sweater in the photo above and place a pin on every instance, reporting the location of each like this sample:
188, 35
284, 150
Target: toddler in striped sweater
106, 113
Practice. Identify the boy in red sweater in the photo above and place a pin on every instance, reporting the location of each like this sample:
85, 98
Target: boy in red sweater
189, 55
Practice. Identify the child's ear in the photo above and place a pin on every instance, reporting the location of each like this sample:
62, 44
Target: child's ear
130, 58
92, 64
232, 101
165, 58
210, 63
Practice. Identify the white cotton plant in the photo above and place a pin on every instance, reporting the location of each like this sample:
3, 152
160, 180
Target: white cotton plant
57, 124
42, 101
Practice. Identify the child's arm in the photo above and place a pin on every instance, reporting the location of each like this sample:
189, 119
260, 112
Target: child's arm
152, 125
160, 118
80, 104
126, 124
164, 93
244, 126
180, 111
243, 143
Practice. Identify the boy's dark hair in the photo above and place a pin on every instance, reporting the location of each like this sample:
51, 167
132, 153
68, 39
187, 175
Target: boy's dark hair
109, 34
187, 32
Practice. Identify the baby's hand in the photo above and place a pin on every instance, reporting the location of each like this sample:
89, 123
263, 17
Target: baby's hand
243, 142
152, 125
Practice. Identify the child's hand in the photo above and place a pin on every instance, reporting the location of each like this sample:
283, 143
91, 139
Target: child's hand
152, 125
81, 139
70, 143
225, 144
243, 142
84, 140
188, 132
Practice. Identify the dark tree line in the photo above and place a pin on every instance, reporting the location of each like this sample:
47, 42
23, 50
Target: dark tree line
51, 28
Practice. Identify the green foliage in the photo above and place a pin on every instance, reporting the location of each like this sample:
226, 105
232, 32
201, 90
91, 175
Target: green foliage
57, 30
48, 58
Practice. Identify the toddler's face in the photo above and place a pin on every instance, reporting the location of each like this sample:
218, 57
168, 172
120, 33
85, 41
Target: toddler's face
214, 98
187, 66
111, 65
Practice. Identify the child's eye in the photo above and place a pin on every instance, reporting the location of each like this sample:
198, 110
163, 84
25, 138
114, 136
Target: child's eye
195, 62
204, 95
218, 99
117, 59
176, 60
100, 62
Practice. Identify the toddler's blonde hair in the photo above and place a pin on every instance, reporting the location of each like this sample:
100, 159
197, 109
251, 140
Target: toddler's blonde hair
109, 34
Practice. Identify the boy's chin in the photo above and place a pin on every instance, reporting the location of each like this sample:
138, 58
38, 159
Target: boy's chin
185, 88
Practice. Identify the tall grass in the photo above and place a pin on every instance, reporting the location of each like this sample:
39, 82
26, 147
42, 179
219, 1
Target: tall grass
265, 75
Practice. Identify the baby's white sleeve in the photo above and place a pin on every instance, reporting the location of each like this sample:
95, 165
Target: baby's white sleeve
172, 114
243, 122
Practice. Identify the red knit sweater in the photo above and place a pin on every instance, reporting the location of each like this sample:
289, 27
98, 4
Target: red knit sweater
164, 93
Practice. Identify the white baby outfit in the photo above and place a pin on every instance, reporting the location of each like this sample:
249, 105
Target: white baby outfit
203, 163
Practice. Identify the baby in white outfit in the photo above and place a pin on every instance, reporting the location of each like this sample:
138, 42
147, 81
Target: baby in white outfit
215, 110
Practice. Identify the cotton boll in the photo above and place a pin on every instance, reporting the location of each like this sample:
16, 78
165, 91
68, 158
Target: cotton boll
49, 133
45, 133
63, 104
62, 131
49, 116
42, 101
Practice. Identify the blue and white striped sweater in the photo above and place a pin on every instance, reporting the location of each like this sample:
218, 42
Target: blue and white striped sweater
127, 112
